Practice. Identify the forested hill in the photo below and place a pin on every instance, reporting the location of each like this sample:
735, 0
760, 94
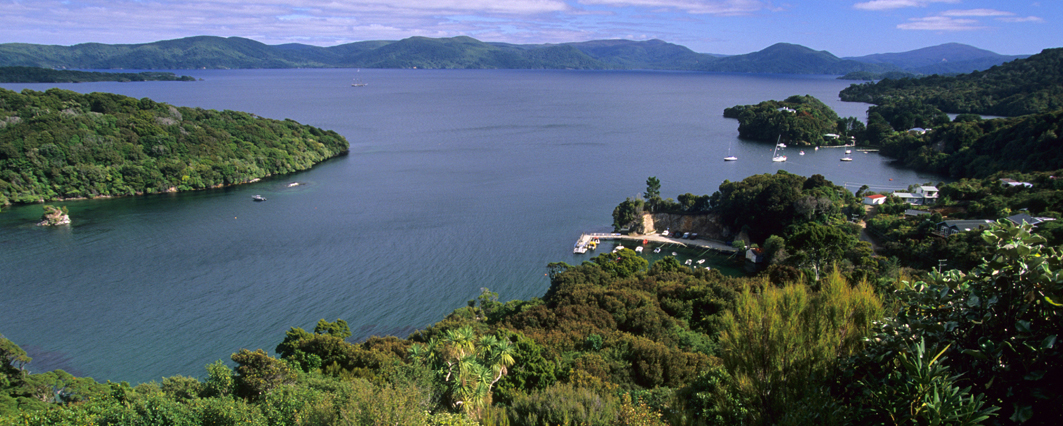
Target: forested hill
1023, 86
451, 53
62, 144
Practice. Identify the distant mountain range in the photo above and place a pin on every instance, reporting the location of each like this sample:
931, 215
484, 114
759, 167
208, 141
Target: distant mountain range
466, 52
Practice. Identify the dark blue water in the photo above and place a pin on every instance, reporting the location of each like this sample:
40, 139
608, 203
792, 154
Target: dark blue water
456, 180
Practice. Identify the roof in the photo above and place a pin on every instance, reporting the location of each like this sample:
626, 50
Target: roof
914, 212
966, 225
1018, 219
876, 196
928, 188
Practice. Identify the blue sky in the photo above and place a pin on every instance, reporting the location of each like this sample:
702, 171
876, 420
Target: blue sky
842, 27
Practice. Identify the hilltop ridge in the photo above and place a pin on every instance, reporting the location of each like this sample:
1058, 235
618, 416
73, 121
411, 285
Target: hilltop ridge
465, 52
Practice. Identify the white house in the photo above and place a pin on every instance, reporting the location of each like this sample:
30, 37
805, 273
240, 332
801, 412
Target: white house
923, 195
874, 199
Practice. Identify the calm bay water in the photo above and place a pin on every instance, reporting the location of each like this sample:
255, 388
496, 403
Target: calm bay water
456, 180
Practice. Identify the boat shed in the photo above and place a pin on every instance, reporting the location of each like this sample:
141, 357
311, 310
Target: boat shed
874, 199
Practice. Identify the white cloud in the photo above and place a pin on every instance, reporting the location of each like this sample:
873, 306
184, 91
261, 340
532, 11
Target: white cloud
976, 12
1019, 19
714, 7
941, 23
897, 4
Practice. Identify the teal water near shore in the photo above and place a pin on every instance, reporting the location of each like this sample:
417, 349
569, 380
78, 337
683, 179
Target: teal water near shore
456, 180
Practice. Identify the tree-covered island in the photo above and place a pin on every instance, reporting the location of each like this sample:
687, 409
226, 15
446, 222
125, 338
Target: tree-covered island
798, 120
60, 144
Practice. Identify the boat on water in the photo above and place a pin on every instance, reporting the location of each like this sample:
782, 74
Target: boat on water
689, 261
801, 153
848, 151
657, 250
293, 184
775, 154
847, 158
700, 261
258, 198
638, 249
618, 248
730, 157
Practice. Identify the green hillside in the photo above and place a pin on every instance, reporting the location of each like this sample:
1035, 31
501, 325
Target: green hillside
422, 52
784, 58
60, 144
1023, 86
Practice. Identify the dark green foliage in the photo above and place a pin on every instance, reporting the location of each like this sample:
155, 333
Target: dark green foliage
907, 114
45, 75
979, 148
805, 121
999, 322
785, 58
1024, 86
628, 215
61, 144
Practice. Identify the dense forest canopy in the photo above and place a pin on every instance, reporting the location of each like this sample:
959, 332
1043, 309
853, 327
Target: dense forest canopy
972, 147
802, 120
45, 75
61, 144
1023, 86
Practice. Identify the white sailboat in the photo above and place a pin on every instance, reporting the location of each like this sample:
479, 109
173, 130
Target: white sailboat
775, 154
730, 157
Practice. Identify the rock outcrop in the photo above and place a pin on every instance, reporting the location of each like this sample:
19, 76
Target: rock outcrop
54, 216
705, 225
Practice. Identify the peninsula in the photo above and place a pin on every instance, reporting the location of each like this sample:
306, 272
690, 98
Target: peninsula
60, 144
46, 75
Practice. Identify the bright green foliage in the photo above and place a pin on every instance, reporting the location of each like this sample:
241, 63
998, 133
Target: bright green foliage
61, 144
777, 343
467, 365
259, 373
13, 361
768, 121
338, 329
219, 380
564, 404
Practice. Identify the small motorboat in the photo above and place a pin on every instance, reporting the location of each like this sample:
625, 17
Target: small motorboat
258, 198
657, 250
801, 153
638, 249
